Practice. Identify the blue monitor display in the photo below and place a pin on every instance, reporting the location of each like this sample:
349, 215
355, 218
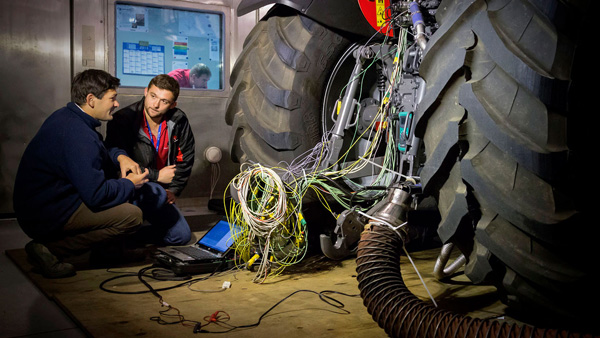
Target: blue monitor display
219, 237
153, 40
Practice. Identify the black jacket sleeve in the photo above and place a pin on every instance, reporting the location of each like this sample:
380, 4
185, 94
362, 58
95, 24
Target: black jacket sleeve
184, 153
120, 131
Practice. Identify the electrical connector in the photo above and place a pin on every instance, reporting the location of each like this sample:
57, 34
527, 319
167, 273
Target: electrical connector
252, 260
226, 284
301, 218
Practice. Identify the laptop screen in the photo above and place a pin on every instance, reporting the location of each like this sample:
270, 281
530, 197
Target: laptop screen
218, 237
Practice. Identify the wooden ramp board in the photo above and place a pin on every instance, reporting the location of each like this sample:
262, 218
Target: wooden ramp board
103, 314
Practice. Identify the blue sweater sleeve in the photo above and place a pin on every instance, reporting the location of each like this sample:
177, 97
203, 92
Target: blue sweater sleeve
84, 155
114, 152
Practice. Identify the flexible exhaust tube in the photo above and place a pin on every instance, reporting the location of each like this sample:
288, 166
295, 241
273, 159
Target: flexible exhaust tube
401, 314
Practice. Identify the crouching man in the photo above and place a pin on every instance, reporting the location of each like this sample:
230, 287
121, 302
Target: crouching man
157, 135
62, 198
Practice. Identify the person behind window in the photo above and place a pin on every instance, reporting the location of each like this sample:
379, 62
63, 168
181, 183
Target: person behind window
158, 136
62, 197
197, 77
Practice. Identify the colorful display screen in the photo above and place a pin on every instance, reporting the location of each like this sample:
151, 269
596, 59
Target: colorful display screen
153, 40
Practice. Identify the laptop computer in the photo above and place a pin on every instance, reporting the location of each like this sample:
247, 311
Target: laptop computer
209, 254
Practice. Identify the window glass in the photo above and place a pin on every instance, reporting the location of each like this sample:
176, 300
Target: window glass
186, 44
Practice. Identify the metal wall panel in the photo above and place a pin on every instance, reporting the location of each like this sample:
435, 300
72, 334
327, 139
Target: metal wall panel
89, 35
35, 77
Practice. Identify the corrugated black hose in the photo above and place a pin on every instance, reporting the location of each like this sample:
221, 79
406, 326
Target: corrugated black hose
401, 314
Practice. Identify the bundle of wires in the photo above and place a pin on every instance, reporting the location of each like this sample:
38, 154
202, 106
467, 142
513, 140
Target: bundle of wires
269, 221
267, 208
320, 179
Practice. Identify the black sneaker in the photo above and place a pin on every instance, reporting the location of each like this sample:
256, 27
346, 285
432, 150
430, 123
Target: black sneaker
44, 260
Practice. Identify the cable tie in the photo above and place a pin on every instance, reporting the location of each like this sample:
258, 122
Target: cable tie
418, 274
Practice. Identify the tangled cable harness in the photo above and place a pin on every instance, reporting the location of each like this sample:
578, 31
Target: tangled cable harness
267, 201
271, 226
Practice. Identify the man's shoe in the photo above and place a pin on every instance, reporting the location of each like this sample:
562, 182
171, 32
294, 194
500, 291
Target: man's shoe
43, 259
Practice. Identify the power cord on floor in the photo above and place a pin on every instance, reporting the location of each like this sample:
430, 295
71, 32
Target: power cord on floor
180, 319
162, 274
157, 274
221, 318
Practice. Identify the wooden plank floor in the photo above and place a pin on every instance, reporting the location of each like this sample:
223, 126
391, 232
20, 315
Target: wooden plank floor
104, 314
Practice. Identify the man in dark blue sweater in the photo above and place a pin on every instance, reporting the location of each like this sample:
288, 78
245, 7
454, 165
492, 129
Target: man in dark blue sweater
62, 198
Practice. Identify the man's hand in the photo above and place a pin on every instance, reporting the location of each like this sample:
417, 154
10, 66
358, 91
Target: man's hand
138, 179
128, 165
166, 174
171, 197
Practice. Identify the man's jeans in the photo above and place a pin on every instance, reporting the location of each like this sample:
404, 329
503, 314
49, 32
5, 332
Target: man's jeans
168, 226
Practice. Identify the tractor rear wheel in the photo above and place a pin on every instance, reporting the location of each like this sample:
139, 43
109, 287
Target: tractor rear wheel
500, 155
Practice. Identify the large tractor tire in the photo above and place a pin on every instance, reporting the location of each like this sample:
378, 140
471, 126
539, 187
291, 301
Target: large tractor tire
501, 158
278, 85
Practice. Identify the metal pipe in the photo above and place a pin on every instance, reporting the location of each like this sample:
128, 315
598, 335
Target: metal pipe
418, 24
348, 100
395, 208
346, 110
440, 270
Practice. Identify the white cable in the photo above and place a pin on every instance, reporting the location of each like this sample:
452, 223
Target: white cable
383, 168
418, 274
215, 174
395, 229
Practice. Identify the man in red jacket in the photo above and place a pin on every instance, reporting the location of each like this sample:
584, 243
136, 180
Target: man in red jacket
157, 135
196, 78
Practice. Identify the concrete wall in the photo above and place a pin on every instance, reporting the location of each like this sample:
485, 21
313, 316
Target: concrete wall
43, 43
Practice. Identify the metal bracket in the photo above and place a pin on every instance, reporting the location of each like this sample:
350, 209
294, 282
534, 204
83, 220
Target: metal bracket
348, 228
